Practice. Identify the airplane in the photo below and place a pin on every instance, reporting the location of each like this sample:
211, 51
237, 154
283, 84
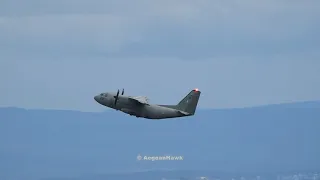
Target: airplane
140, 107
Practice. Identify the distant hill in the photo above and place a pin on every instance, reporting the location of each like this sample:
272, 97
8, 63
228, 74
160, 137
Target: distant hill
172, 175
56, 143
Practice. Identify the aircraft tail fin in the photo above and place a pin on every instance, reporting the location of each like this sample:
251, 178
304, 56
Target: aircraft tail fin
189, 103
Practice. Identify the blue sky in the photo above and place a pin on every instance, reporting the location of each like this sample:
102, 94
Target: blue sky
60, 53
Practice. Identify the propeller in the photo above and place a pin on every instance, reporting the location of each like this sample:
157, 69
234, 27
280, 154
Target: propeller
116, 98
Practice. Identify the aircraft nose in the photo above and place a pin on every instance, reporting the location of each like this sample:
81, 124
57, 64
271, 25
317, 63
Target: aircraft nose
96, 98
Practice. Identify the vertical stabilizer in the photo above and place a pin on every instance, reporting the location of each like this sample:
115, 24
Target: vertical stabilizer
189, 103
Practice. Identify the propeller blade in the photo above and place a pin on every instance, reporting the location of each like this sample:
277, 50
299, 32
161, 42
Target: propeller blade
116, 98
122, 92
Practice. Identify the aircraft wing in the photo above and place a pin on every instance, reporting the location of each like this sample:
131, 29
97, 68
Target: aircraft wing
140, 99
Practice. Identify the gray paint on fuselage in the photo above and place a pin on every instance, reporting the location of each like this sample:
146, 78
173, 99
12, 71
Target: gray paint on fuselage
150, 111
128, 106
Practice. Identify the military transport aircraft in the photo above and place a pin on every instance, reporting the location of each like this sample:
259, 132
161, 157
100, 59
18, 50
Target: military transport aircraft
139, 106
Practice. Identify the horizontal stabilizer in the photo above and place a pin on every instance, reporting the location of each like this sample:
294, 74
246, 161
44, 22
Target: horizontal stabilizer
183, 113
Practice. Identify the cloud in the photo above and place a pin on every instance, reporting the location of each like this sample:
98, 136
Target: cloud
224, 82
63, 32
184, 29
241, 53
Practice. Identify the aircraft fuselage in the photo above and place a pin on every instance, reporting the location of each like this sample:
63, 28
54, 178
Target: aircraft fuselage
149, 111
140, 107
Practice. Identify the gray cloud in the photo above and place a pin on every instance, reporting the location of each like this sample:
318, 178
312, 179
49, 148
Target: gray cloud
227, 82
242, 53
185, 29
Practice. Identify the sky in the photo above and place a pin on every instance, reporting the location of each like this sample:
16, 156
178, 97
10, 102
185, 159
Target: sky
58, 54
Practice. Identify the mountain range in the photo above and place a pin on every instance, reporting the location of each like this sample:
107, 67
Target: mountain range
44, 144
